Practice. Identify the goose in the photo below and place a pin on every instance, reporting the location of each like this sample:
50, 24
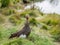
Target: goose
24, 32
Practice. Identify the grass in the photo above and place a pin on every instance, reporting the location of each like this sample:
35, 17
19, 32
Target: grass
42, 29
33, 39
38, 35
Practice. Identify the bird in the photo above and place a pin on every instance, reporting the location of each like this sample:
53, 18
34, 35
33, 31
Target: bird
24, 32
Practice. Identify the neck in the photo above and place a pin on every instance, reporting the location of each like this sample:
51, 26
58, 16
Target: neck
27, 23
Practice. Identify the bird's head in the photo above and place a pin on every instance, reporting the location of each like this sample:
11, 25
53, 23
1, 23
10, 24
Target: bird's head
27, 17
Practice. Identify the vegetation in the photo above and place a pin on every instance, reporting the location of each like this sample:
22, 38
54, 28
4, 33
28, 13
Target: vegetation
33, 39
5, 3
45, 28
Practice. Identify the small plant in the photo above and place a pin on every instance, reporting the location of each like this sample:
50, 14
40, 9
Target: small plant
32, 14
16, 20
9, 12
51, 21
1, 20
44, 27
38, 40
33, 22
55, 32
5, 3
15, 1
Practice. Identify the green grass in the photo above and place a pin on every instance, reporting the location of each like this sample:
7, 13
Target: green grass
33, 39
41, 28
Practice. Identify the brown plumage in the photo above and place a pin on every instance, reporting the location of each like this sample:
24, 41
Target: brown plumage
25, 31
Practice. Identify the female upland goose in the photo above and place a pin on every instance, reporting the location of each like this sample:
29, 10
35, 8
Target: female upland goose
24, 32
